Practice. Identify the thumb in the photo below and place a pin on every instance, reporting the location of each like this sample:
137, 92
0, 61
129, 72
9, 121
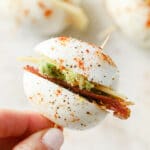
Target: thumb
53, 139
50, 139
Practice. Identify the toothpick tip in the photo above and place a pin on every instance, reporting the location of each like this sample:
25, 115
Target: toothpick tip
105, 41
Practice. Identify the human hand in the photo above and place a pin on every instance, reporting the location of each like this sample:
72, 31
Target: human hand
28, 131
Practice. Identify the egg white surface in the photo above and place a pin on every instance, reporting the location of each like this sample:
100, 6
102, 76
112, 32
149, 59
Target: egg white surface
82, 57
133, 18
65, 108
39, 16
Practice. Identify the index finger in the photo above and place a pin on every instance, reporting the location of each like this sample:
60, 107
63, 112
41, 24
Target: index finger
17, 123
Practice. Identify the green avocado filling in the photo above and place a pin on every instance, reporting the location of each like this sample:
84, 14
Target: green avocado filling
53, 71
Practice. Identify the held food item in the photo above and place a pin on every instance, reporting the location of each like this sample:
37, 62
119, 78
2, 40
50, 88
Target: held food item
47, 17
133, 17
73, 83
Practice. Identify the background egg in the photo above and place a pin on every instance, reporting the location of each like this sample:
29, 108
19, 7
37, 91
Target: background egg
39, 16
133, 18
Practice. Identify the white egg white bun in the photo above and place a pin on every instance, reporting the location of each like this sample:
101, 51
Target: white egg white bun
46, 17
133, 18
59, 104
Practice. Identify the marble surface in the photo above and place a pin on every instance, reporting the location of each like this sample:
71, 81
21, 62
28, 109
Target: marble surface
134, 66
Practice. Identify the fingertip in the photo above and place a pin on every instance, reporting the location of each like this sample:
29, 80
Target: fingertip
53, 139
50, 139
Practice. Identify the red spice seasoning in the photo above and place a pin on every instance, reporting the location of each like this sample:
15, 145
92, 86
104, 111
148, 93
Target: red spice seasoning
67, 1
48, 12
148, 21
63, 40
62, 68
80, 63
61, 61
58, 92
26, 12
41, 5
108, 59
105, 57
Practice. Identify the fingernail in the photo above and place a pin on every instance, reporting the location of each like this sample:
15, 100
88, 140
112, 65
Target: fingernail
53, 139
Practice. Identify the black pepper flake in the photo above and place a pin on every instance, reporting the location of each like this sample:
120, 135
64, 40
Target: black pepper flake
75, 66
52, 103
82, 52
69, 109
88, 113
57, 107
76, 47
104, 76
87, 50
65, 119
113, 78
71, 66
100, 48
91, 65
82, 58
82, 124
99, 65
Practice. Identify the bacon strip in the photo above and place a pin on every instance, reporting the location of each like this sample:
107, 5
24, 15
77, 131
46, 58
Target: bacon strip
118, 106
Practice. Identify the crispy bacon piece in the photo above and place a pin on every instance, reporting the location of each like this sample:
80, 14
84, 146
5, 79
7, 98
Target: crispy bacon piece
118, 106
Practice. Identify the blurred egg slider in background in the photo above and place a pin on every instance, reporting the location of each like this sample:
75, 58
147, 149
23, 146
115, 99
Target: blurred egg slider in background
47, 17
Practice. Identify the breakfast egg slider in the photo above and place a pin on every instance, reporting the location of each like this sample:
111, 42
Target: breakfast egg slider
73, 83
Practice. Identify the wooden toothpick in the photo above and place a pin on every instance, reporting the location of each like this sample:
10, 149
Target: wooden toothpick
105, 41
